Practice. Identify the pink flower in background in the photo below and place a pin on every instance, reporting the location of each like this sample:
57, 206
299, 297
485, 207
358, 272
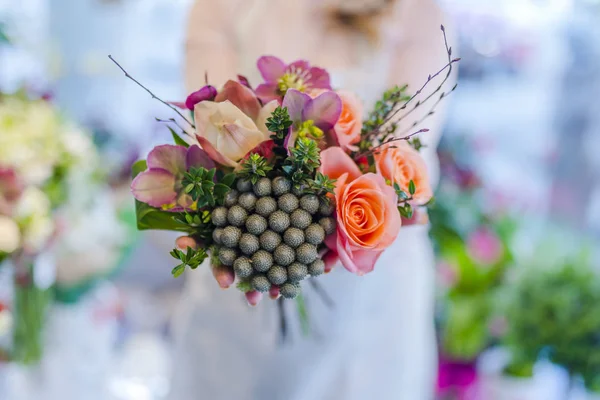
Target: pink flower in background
279, 77
160, 185
447, 274
457, 378
349, 125
485, 247
10, 190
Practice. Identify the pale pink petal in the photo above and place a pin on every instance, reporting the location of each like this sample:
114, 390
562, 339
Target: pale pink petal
242, 97
335, 162
214, 154
359, 262
264, 114
324, 110
295, 101
271, 68
319, 78
168, 157
298, 66
239, 141
196, 157
155, 187
268, 92
178, 104
254, 297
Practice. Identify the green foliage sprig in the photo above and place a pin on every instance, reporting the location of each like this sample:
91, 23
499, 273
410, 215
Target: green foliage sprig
322, 185
279, 124
254, 168
301, 165
199, 184
192, 258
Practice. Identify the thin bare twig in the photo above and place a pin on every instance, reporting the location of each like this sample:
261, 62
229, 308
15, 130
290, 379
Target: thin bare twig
173, 121
374, 149
431, 110
148, 90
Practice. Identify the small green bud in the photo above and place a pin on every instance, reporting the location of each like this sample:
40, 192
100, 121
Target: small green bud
299, 190
262, 188
262, 261
288, 203
219, 217
231, 198
247, 200
231, 236
317, 267
297, 272
307, 253
315, 234
279, 221
281, 185
243, 185
265, 206
256, 224
293, 237
326, 207
310, 203
236, 216
269, 241
216, 235
249, 244
328, 224
277, 275
290, 290
261, 283
284, 255
300, 219
243, 268
227, 256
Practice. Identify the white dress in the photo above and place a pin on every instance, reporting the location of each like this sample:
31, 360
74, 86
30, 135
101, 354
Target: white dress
378, 340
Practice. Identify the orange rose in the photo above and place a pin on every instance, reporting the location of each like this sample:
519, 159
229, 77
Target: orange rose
400, 163
349, 125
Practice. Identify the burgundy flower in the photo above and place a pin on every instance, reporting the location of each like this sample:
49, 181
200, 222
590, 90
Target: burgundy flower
208, 92
280, 77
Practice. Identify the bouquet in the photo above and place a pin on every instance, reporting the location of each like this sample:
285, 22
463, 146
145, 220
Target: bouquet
275, 184
39, 154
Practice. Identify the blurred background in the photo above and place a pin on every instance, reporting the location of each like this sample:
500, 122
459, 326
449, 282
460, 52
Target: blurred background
516, 227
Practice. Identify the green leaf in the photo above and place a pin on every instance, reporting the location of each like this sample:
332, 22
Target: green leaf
152, 218
411, 187
244, 286
138, 167
178, 271
228, 180
178, 140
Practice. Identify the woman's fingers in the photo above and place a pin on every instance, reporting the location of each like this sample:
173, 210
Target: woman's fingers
183, 242
254, 297
224, 276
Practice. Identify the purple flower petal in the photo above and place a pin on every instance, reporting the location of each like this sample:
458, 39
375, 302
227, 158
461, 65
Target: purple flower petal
298, 66
241, 97
267, 92
208, 92
168, 157
271, 68
155, 187
244, 81
319, 79
179, 104
324, 110
290, 140
196, 157
296, 102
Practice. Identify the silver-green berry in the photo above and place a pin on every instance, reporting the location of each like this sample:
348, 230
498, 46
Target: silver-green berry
284, 255
236, 216
279, 221
288, 203
231, 236
310, 203
326, 207
262, 261
297, 272
281, 185
269, 241
262, 187
293, 237
256, 224
290, 290
306, 253
298, 190
243, 185
277, 275
243, 268
300, 219
231, 198
216, 235
317, 267
315, 234
261, 283
227, 256
328, 224
265, 206
247, 200
249, 244
219, 217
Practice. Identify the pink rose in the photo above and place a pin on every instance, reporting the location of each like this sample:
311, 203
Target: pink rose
349, 125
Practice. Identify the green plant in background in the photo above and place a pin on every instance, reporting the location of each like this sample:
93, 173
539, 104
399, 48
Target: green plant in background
553, 311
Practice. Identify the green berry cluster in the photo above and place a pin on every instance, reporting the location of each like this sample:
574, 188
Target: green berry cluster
271, 233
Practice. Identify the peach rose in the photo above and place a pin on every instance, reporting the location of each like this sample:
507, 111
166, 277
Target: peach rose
349, 125
367, 220
400, 163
